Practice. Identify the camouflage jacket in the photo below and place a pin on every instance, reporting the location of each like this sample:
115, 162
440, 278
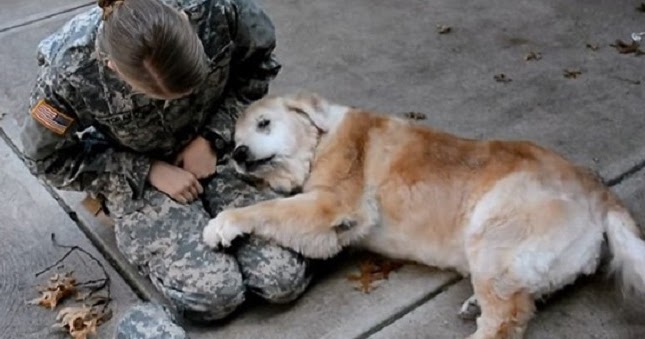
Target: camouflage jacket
97, 136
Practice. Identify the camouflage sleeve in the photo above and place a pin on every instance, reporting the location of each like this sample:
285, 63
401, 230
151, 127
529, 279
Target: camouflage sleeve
253, 64
67, 153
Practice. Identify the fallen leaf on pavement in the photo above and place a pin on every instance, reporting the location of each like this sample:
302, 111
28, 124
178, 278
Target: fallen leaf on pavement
443, 29
625, 48
372, 270
533, 56
79, 321
502, 78
572, 73
82, 321
58, 288
593, 47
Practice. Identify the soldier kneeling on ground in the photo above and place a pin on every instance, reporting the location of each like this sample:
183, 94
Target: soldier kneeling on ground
135, 103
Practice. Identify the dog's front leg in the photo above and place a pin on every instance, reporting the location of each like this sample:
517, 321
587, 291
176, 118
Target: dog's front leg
306, 223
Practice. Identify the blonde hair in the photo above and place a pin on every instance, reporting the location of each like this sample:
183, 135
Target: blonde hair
152, 43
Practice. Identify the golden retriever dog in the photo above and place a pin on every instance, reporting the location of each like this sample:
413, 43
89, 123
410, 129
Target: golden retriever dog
517, 219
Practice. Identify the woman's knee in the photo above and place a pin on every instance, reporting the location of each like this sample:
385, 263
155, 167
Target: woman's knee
163, 239
203, 286
276, 274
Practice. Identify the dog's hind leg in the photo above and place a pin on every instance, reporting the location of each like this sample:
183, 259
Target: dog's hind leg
505, 301
502, 316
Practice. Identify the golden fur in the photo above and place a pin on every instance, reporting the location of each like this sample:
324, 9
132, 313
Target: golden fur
519, 219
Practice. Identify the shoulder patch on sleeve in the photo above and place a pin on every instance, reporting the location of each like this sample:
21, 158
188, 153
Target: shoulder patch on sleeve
51, 118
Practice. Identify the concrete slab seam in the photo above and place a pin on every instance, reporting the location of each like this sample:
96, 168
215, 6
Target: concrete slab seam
45, 17
625, 175
400, 314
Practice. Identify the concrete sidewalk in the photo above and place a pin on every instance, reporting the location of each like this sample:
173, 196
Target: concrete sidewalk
388, 56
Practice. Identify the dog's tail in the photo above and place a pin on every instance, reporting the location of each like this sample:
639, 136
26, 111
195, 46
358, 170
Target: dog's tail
626, 247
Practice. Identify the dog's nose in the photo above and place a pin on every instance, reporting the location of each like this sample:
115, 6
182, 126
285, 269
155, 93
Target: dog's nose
241, 154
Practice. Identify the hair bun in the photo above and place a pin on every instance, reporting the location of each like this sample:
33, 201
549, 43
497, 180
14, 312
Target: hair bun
108, 6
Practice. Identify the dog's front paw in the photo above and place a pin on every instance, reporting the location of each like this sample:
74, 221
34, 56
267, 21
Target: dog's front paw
222, 230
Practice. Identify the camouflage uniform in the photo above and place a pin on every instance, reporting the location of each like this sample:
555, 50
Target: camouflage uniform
115, 133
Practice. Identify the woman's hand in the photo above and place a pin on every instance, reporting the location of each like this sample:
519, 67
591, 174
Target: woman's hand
198, 158
179, 184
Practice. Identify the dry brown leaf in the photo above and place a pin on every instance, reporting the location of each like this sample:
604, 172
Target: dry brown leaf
372, 270
364, 278
389, 266
593, 47
415, 115
82, 321
625, 48
572, 73
79, 321
533, 56
57, 289
443, 29
502, 78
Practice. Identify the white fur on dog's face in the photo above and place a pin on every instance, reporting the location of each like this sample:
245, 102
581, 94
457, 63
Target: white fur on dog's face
281, 136
267, 129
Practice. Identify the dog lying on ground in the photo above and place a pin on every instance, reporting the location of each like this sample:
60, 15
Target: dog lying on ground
518, 219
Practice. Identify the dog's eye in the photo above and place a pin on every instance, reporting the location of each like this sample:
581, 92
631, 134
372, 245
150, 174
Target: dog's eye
264, 123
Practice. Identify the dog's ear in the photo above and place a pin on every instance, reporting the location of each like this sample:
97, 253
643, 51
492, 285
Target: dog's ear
311, 105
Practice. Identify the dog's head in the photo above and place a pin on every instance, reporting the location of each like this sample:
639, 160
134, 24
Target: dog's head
276, 137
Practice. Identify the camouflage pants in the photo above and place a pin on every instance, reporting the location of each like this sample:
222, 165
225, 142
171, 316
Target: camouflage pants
164, 240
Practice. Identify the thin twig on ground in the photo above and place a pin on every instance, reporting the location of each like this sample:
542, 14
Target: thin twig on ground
104, 283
